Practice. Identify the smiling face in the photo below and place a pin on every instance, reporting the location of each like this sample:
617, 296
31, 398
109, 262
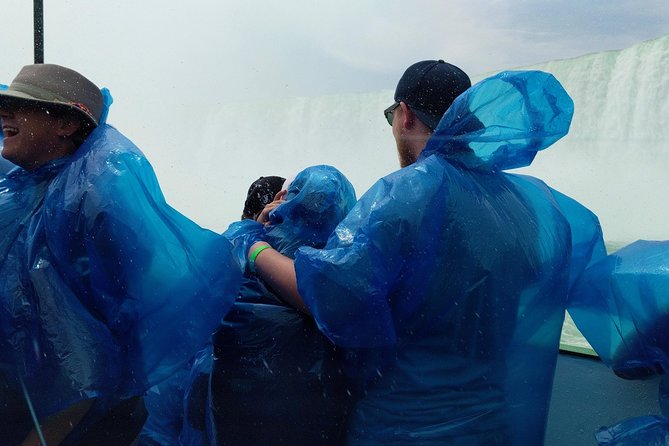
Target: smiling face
33, 135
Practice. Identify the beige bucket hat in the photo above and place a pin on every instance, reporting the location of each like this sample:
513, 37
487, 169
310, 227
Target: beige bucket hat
54, 86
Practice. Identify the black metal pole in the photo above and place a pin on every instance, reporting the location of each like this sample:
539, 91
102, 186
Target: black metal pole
38, 22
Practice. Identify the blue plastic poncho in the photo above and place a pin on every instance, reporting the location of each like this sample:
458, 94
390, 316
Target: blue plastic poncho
621, 305
269, 352
316, 201
640, 431
646, 430
447, 283
105, 289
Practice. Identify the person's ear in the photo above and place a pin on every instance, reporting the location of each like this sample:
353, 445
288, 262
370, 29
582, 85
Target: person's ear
407, 117
68, 127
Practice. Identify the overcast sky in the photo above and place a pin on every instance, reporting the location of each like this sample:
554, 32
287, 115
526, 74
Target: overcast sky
177, 68
223, 51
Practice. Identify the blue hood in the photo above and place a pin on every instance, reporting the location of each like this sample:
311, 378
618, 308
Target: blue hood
503, 121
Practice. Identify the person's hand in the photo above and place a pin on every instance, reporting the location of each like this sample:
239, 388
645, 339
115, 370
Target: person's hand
279, 198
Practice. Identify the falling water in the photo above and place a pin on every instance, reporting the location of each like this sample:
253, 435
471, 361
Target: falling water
614, 159
616, 156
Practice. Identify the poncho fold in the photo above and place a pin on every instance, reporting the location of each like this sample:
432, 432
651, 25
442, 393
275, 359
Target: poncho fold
106, 289
447, 283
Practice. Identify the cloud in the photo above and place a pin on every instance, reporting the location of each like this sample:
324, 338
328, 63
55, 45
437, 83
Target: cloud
217, 52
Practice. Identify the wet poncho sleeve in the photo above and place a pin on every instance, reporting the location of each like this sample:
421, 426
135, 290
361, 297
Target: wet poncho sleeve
317, 199
157, 279
620, 305
363, 256
587, 240
447, 283
121, 289
500, 123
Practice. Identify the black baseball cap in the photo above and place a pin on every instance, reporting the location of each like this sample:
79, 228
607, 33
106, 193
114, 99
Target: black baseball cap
430, 87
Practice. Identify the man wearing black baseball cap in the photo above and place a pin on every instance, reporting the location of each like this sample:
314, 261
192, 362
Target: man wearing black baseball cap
423, 94
445, 285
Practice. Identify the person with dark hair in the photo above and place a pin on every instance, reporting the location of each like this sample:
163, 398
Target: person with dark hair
261, 192
267, 351
165, 401
446, 285
105, 289
422, 96
263, 349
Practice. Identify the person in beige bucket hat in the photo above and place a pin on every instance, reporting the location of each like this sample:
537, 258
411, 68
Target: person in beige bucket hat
47, 112
91, 258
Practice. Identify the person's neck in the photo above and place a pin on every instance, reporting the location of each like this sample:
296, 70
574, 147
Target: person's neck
56, 156
417, 143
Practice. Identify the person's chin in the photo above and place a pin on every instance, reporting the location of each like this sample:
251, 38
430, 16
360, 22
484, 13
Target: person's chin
7, 153
11, 155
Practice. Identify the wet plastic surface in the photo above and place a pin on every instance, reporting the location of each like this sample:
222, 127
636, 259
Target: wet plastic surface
448, 281
621, 307
266, 350
106, 289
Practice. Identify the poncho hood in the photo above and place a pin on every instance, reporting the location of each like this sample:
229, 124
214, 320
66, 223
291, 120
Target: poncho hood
503, 121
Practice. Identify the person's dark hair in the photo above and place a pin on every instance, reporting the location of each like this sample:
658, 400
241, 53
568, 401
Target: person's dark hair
261, 192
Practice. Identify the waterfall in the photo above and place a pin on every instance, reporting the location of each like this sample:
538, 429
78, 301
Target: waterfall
616, 155
614, 160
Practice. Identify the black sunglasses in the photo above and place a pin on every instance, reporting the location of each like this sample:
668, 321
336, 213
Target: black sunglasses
388, 113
